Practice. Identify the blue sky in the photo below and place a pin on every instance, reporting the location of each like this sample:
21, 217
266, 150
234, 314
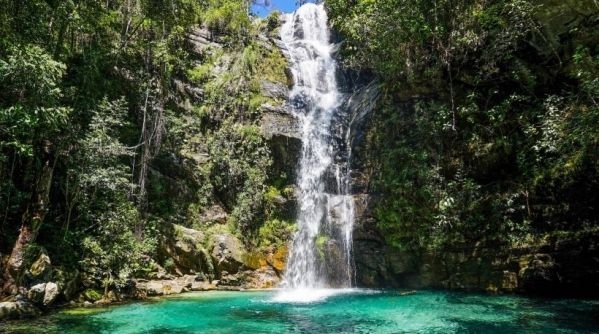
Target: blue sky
285, 6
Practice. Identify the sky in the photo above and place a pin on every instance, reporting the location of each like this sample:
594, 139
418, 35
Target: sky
285, 6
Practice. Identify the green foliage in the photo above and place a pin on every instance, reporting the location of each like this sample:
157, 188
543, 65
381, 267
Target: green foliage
418, 40
30, 95
320, 242
228, 17
113, 254
240, 163
474, 147
92, 295
275, 232
272, 20
101, 175
140, 127
200, 73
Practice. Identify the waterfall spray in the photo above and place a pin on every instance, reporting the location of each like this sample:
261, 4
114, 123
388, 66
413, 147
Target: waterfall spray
320, 256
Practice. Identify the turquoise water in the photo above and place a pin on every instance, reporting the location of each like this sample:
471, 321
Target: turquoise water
356, 311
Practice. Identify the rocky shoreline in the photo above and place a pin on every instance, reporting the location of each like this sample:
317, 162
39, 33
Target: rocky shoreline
198, 262
148, 290
40, 301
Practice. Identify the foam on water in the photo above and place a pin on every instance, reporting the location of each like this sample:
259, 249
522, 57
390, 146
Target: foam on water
310, 295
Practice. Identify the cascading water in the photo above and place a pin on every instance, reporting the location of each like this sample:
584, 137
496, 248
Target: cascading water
320, 255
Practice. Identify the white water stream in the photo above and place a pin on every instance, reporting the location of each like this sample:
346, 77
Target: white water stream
320, 256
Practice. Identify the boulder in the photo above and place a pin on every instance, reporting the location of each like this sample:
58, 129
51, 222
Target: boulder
43, 294
184, 247
171, 287
51, 293
159, 288
230, 280
214, 214
41, 268
202, 286
36, 293
263, 278
227, 253
17, 310
187, 281
152, 288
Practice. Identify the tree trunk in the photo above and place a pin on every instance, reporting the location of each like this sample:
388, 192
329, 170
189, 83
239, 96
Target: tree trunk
31, 222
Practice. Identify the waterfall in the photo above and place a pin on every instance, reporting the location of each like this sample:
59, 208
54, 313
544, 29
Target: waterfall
320, 255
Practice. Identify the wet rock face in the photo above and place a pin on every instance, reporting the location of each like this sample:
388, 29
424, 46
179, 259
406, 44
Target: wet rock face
276, 122
370, 251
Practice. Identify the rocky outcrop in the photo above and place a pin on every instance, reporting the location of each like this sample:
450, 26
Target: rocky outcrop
275, 90
159, 288
200, 39
539, 273
227, 253
277, 122
183, 250
261, 278
283, 133
36, 293
213, 214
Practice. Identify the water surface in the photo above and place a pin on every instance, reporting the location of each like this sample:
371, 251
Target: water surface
350, 311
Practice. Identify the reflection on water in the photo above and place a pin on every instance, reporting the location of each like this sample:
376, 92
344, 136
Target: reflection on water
348, 311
